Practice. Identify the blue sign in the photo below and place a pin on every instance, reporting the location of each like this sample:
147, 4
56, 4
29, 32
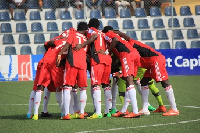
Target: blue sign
35, 59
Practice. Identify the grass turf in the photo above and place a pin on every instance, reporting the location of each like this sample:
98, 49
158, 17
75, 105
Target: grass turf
14, 106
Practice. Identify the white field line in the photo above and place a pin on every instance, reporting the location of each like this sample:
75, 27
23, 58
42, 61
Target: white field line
154, 125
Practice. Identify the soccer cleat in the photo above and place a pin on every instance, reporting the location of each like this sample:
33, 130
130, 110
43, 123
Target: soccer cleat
151, 108
29, 116
107, 115
95, 116
113, 111
141, 112
67, 117
35, 117
132, 115
74, 116
85, 114
171, 112
45, 114
119, 114
160, 109
81, 116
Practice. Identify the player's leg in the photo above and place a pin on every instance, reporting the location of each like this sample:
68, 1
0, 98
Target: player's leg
31, 104
47, 94
59, 99
76, 99
114, 90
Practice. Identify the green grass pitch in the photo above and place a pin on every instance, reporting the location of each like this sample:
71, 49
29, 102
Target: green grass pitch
14, 106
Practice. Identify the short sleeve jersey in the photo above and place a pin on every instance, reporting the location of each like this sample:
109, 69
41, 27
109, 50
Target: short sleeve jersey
77, 58
143, 49
99, 43
122, 45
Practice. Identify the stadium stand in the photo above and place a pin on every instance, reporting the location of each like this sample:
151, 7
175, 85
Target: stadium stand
95, 13
50, 15
52, 35
21, 27
125, 13
192, 33
52, 26
185, 11
164, 45
25, 50
155, 12
10, 50
4, 4
8, 39
146, 35
19, 16
24, 39
143, 24
195, 44
128, 24
32, 4
40, 49
132, 34
151, 44
47, 4
158, 23
6, 28
110, 13
36, 27
197, 9
177, 34
79, 14
35, 15
188, 22
140, 12
114, 24
66, 25
161, 35
180, 45
168, 11
175, 22
101, 25
65, 15
4, 16
39, 38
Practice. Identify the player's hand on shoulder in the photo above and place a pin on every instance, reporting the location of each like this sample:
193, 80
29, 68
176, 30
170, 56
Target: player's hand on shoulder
101, 51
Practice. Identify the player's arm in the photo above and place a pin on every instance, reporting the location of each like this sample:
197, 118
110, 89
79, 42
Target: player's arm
61, 52
88, 42
113, 44
121, 34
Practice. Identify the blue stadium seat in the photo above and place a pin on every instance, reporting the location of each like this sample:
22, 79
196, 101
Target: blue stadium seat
10, 50
6, 28
47, 4
125, 13
36, 27
128, 24
4, 16
52, 26
79, 14
158, 23
175, 22
35, 15
64, 15
151, 44
195, 44
192, 33
25, 50
19, 16
188, 22
168, 11
114, 24
39, 38
197, 9
50, 15
161, 35
143, 24
110, 13
146, 35
177, 34
95, 13
32, 4
21, 27
132, 34
164, 45
53, 35
4, 4
24, 39
185, 11
155, 12
8, 39
140, 12
180, 45
101, 25
66, 25
40, 49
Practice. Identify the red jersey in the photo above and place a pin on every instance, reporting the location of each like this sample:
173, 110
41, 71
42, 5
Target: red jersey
122, 45
77, 58
99, 43
52, 52
143, 49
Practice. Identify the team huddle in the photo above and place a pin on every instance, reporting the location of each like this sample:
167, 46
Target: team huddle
68, 56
